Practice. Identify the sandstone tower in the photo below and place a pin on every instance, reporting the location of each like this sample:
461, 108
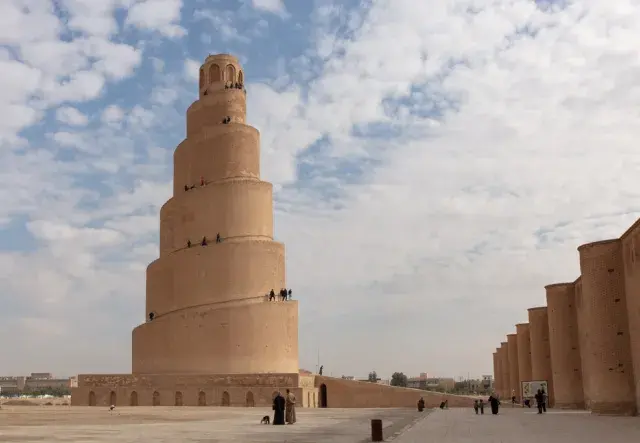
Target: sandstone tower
212, 336
207, 306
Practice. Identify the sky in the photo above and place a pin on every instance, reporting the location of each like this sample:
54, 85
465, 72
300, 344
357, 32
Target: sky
435, 165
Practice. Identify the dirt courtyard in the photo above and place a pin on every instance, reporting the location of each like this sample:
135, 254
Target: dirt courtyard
191, 424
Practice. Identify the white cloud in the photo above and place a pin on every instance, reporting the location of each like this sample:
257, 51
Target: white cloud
192, 69
71, 116
112, 114
19, 24
93, 17
160, 15
273, 6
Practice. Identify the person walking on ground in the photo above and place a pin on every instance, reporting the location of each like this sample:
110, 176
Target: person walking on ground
421, 404
481, 406
540, 401
495, 404
476, 406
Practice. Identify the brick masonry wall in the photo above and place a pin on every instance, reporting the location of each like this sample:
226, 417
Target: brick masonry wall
566, 364
359, 394
607, 352
504, 368
631, 258
514, 374
540, 351
524, 352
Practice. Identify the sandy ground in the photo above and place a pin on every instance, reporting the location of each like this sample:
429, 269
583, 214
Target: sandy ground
185, 424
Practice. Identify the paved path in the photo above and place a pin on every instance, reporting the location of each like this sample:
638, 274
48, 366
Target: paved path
521, 426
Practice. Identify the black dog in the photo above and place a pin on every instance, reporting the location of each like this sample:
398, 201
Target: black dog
266, 420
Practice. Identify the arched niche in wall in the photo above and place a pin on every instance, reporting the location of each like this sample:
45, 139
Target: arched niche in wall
214, 73
226, 399
230, 74
133, 399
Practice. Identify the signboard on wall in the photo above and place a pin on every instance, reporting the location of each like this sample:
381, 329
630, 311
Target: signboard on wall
529, 388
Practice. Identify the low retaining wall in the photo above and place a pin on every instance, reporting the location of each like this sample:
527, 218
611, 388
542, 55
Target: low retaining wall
339, 393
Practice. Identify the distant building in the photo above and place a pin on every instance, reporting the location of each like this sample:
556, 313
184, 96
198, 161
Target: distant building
379, 381
423, 381
10, 385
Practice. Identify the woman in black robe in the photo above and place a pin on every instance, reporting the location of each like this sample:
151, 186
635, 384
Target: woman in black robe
495, 404
278, 407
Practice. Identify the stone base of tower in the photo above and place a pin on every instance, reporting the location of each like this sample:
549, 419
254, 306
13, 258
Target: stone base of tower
248, 390
185, 390
617, 408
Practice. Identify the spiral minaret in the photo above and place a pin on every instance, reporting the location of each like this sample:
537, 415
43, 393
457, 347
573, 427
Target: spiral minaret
207, 307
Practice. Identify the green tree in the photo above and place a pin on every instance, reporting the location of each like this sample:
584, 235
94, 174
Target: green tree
399, 379
373, 377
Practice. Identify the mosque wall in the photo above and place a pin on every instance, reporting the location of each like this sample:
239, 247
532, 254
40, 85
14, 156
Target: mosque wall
497, 377
595, 334
566, 364
631, 257
524, 353
514, 374
607, 352
540, 351
504, 366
